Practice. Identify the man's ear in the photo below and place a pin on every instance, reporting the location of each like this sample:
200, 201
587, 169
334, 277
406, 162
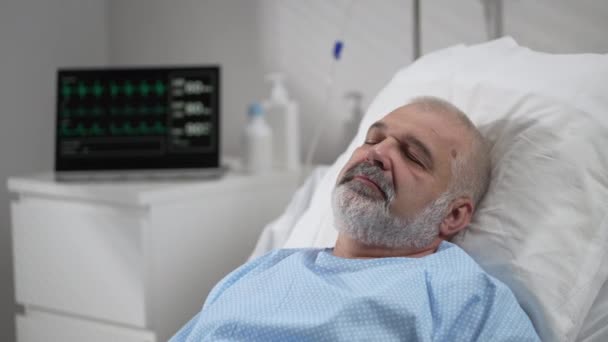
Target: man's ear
458, 217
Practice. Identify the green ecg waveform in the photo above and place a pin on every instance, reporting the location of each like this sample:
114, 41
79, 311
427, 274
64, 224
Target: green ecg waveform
114, 111
141, 129
95, 129
141, 88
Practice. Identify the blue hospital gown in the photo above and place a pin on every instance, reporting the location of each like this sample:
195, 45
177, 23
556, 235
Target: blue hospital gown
312, 295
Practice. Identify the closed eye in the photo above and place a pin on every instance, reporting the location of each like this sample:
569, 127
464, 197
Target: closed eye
414, 159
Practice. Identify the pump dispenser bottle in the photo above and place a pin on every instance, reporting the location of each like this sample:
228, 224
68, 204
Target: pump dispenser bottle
282, 116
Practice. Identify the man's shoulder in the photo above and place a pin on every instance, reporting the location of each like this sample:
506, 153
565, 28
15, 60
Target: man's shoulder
454, 268
450, 255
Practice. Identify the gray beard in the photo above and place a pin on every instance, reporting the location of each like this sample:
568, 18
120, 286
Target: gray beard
364, 216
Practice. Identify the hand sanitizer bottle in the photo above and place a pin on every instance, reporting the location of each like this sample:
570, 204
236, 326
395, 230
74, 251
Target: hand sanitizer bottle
282, 115
258, 142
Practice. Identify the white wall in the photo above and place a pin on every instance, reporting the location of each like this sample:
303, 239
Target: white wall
559, 26
36, 37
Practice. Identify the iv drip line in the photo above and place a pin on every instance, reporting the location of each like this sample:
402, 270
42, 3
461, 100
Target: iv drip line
338, 47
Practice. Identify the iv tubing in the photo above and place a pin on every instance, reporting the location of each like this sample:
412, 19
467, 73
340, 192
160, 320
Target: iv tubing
337, 50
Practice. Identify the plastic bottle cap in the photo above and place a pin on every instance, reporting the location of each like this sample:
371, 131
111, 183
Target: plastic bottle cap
255, 110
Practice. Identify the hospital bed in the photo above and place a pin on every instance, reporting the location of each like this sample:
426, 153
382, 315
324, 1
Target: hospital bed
543, 226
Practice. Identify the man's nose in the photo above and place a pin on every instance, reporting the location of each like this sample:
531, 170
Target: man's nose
379, 155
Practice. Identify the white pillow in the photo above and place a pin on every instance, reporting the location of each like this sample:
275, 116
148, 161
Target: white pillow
542, 228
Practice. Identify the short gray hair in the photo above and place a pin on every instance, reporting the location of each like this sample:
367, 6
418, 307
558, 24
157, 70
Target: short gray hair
471, 171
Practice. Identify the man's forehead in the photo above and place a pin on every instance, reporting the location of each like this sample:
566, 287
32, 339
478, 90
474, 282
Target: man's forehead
409, 116
415, 110
428, 126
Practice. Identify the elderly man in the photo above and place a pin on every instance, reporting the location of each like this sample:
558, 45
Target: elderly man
392, 275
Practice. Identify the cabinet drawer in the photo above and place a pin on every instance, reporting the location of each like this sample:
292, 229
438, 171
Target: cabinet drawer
37, 326
79, 258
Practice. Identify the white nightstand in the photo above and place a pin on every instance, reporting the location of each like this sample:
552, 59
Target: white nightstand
131, 261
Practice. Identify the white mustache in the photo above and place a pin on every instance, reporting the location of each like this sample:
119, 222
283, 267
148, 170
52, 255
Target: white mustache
375, 174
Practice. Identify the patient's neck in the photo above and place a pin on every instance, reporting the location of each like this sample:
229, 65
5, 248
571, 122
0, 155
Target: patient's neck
346, 247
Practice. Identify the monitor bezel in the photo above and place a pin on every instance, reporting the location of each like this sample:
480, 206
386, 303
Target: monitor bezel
190, 161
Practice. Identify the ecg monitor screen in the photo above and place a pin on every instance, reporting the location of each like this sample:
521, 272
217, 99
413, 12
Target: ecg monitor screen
145, 118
